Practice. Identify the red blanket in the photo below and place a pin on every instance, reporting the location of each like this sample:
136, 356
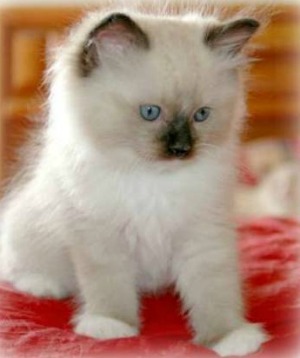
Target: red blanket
270, 250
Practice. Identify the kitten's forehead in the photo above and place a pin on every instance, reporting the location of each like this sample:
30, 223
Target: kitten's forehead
178, 61
175, 34
175, 41
178, 66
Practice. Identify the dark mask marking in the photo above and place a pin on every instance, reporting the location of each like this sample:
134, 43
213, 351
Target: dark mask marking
177, 138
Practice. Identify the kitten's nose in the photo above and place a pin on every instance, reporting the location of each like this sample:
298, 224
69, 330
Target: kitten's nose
180, 151
177, 138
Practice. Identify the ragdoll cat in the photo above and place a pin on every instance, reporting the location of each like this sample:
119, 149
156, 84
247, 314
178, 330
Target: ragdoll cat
132, 191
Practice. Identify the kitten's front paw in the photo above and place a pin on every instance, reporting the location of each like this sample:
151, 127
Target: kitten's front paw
40, 286
244, 340
101, 327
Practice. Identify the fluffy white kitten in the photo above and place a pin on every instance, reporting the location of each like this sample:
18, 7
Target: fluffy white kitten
133, 188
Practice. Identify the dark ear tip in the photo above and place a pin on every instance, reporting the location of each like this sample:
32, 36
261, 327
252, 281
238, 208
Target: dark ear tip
116, 16
246, 23
252, 23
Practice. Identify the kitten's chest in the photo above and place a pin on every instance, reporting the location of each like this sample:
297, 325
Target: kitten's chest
155, 215
150, 240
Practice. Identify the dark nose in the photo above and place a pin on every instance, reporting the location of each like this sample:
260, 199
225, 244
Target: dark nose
180, 151
177, 138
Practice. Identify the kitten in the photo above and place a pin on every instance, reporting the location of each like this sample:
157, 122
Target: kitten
133, 188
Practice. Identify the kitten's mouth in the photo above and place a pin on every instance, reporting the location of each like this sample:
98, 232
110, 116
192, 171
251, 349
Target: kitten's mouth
179, 153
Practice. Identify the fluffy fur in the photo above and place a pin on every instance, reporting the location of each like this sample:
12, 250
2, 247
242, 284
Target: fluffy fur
105, 214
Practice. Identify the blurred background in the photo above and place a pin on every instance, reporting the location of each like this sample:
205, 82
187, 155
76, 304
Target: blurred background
270, 154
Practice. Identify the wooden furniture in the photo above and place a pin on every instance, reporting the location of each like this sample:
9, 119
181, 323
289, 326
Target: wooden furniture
27, 33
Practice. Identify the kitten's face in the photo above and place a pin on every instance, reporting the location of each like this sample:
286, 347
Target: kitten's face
160, 89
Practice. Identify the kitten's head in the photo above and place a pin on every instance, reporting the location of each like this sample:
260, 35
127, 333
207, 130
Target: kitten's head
156, 88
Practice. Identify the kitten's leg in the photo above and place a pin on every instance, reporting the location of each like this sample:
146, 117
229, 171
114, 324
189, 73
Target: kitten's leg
107, 285
32, 258
208, 281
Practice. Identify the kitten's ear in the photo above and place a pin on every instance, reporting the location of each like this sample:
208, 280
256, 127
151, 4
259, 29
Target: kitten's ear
231, 37
114, 35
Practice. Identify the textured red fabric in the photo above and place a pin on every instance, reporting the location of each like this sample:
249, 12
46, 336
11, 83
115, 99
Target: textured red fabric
270, 248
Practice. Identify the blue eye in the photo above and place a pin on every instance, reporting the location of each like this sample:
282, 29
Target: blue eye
202, 114
149, 112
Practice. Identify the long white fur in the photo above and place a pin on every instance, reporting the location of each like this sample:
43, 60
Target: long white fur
105, 223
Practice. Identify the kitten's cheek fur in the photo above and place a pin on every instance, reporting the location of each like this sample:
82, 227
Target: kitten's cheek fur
101, 327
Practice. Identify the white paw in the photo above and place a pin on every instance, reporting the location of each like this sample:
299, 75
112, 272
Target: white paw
101, 327
244, 340
40, 286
